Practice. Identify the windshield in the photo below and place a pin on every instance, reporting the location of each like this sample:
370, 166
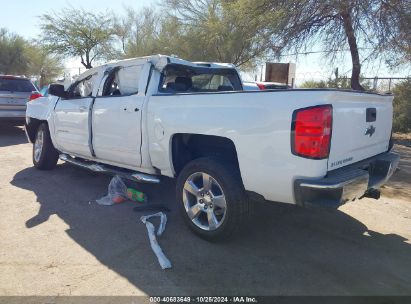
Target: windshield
185, 79
16, 85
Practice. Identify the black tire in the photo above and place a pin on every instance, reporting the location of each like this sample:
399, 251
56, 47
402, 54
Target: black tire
229, 181
46, 157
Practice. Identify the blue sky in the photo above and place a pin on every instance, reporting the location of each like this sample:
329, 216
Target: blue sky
21, 17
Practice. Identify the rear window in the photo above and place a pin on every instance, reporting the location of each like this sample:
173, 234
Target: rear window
179, 78
16, 85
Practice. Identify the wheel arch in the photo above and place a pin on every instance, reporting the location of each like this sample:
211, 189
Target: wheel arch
31, 126
186, 147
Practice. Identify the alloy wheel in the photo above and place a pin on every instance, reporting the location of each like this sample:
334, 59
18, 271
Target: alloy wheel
204, 201
38, 145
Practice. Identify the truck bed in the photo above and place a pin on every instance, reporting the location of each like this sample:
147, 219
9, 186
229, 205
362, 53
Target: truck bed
259, 123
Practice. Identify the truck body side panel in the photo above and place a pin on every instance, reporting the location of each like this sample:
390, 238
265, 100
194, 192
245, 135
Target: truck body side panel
259, 125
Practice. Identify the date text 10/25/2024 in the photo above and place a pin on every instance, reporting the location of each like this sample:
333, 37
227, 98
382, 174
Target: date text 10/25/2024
204, 299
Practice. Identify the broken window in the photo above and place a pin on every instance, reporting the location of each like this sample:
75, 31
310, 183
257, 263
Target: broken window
179, 78
122, 81
83, 88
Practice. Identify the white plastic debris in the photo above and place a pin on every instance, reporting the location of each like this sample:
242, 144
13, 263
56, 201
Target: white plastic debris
162, 259
117, 192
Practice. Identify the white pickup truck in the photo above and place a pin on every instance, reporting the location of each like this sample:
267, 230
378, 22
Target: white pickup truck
159, 116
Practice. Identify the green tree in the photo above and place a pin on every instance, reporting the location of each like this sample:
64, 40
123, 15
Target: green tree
374, 27
21, 57
402, 107
401, 39
43, 65
13, 59
77, 33
198, 30
221, 30
143, 37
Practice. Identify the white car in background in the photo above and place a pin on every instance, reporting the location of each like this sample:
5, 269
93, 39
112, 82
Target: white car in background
15, 92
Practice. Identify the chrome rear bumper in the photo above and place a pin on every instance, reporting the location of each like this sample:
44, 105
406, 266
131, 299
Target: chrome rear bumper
348, 183
12, 114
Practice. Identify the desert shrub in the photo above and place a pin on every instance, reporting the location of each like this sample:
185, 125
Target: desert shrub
312, 84
402, 107
333, 83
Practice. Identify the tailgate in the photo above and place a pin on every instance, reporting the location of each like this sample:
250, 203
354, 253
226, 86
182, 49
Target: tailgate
361, 127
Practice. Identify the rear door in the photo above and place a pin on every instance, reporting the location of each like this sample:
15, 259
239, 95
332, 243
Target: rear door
117, 113
361, 127
14, 95
71, 118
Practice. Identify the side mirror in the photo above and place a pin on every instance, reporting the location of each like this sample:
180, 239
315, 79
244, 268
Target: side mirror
57, 90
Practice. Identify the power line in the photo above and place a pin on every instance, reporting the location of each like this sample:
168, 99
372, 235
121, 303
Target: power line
318, 52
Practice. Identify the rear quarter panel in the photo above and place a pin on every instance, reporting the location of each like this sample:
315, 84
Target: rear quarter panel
258, 123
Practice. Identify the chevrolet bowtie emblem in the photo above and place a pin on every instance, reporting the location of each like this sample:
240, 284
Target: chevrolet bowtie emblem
370, 130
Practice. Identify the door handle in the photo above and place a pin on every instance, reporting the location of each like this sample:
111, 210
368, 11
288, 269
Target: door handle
82, 108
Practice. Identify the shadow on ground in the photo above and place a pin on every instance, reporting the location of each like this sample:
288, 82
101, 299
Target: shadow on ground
283, 250
11, 134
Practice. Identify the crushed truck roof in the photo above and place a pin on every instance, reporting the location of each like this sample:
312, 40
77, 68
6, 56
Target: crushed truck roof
159, 61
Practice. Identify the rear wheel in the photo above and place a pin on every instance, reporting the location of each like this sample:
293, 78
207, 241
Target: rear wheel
45, 156
212, 199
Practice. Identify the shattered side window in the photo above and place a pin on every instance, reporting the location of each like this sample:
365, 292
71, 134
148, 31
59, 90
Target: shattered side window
122, 81
84, 88
128, 78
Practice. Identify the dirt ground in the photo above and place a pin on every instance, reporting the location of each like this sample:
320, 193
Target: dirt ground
55, 240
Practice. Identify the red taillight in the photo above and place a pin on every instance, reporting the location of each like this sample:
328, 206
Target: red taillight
261, 86
35, 95
311, 132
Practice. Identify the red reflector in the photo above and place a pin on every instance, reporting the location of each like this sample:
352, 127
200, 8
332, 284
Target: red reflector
261, 86
311, 132
35, 95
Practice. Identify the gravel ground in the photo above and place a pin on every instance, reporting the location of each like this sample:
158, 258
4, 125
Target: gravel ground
55, 240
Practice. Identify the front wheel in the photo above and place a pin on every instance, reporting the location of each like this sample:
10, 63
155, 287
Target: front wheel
211, 196
45, 156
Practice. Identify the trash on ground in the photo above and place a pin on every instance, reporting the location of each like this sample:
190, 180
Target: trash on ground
117, 192
162, 259
136, 196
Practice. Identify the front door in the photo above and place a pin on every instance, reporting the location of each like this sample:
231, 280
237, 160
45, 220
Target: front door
71, 118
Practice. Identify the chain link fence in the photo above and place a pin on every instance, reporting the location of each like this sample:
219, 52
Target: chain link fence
383, 84
377, 84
